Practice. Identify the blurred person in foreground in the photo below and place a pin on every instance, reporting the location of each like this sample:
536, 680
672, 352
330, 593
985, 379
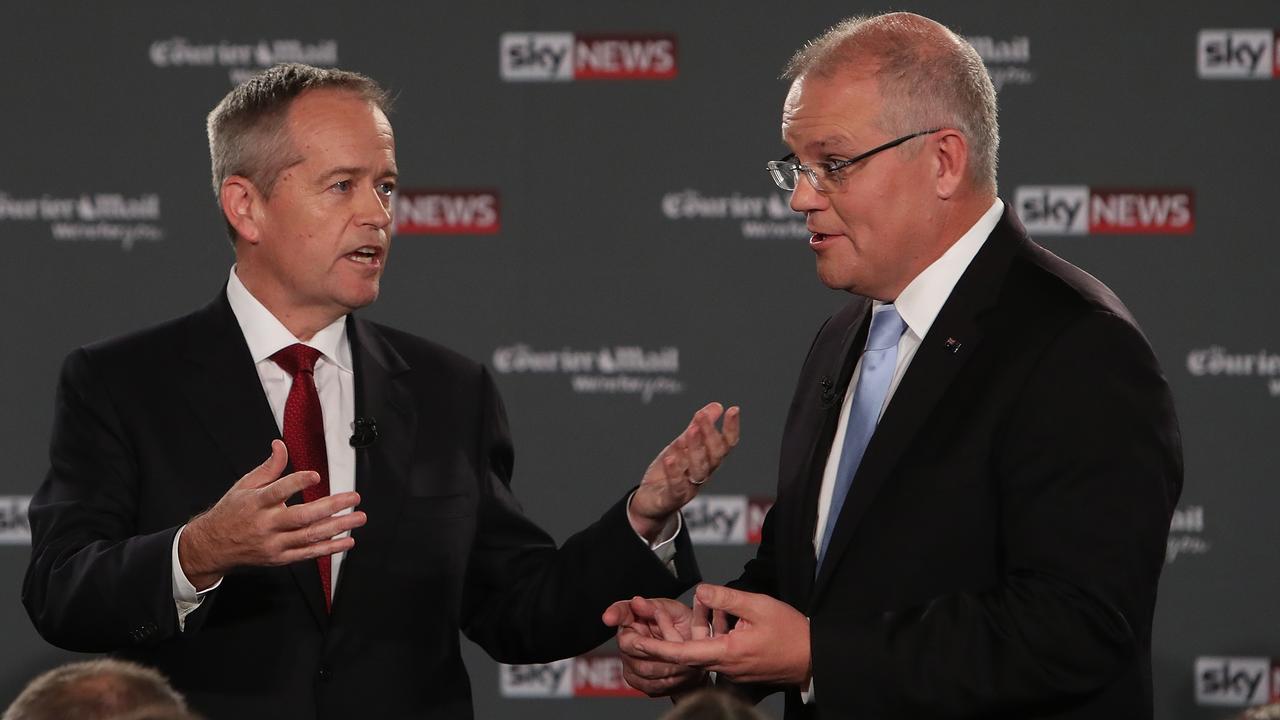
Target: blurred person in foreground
712, 704
981, 459
102, 689
162, 535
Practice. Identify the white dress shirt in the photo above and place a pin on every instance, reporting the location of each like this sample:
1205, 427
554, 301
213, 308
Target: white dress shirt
919, 304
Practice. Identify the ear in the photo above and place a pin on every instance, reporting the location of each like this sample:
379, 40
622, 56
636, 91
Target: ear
951, 162
242, 205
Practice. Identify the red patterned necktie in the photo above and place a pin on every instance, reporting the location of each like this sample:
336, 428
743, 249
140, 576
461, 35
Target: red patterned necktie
304, 431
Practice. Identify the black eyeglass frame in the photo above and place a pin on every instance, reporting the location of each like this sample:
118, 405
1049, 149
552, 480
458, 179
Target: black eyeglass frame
780, 169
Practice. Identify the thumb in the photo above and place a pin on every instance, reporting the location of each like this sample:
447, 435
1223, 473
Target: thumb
270, 469
618, 614
734, 602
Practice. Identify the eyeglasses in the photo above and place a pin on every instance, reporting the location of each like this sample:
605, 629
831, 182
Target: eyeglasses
826, 177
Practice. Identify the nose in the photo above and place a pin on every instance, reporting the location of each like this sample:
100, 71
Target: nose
374, 209
805, 198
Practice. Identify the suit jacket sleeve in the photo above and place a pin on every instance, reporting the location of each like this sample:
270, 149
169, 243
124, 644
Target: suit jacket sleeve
1087, 471
525, 600
93, 584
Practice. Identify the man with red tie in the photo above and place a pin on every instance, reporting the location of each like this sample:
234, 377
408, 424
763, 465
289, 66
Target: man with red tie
331, 580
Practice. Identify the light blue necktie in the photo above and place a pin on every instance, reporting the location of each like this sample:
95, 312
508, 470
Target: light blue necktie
878, 363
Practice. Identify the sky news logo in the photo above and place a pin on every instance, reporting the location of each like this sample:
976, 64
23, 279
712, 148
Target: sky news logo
14, 528
1237, 681
1250, 54
447, 212
726, 519
1081, 210
563, 57
591, 675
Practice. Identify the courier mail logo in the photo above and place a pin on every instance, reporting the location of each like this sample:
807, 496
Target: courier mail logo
1080, 210
447, 212
1252, 54
725, 519
562, 57
1237, 681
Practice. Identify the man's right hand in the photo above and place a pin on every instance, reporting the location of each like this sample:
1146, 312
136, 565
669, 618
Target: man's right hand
661, 618
252, 526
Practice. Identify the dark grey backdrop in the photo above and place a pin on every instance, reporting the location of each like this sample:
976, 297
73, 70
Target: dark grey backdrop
600, 249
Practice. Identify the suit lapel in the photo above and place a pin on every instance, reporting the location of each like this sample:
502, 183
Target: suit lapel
952, 339
225, 393
382, 469
833, 370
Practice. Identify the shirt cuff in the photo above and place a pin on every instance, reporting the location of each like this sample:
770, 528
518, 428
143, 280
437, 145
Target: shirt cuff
185, 595
664, 547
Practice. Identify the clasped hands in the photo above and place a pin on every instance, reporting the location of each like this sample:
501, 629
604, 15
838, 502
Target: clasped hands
668, 648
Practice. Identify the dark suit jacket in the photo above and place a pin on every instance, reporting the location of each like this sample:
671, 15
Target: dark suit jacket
152, 428
998, 553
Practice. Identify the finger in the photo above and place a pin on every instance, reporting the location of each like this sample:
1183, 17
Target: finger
323, 530
732, 426
743, 604
719, 623
629, 636
618, 614
711, 412
313, 551
304, 514
703, 653
675, 465
666, 627
280, 490
658, 687
717, 446
269, 470
650, 670
700, 630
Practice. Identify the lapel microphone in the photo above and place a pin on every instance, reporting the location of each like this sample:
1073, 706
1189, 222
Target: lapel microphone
364, 432
828, 391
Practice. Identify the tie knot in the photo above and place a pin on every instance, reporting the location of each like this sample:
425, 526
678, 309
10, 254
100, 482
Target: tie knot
887, 327
296, 358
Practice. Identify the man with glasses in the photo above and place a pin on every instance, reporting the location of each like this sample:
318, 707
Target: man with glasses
981, 459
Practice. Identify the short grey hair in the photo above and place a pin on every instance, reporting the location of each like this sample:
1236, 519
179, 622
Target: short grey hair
247, 135
102, 689
928, 77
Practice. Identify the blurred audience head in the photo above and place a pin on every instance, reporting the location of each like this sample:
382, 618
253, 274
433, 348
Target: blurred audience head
713, 704
103, 689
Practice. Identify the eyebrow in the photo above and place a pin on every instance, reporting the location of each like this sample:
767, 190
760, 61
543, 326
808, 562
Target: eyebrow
387, 173
827, 143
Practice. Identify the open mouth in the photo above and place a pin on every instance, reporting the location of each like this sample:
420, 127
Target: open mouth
367, 255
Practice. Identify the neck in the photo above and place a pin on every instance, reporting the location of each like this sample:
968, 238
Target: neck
945, 226
303, 322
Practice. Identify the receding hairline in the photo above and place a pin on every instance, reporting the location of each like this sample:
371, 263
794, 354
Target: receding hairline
868, 39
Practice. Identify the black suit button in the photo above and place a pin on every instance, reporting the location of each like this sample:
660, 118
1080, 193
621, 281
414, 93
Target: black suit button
324, 674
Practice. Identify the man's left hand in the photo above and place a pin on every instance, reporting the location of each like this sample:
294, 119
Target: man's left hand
770, 643
676, 475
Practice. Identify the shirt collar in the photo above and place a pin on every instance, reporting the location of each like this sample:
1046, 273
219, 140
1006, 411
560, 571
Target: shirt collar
266, 335
922, 299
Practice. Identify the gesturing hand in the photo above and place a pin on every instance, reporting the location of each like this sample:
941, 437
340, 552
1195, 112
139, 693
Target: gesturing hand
678, 472
251, 525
